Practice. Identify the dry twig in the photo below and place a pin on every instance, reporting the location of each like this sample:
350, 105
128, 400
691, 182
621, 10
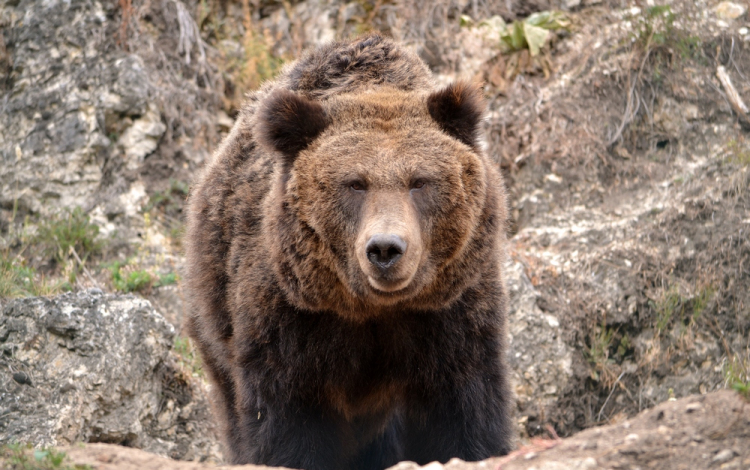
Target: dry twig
84, 268
734, 97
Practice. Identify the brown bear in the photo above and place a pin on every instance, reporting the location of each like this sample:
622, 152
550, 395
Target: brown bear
344, 268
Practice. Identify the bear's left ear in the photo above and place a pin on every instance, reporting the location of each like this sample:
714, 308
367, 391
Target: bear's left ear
289, 123
458, 109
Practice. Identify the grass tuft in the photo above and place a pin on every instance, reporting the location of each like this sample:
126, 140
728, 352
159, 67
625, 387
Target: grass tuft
737, 375
125, 278
188, 354
71, 229
597, 352
25, 457
20, 280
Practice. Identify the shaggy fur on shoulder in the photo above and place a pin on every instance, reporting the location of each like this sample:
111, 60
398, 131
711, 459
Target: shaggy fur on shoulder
344, 269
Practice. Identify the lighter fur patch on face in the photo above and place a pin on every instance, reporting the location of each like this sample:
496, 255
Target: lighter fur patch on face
390, 212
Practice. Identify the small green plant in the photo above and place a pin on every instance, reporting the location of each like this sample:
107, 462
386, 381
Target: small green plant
656, 25
624, 347
655, 29
25, 457
188, 354
127, 279
737, 375
672, 306
700, 302
597, 352
70, 229
166, 279
532, 32
17, 280
171, 199
130, 280
688, 47
13, 279
737, 152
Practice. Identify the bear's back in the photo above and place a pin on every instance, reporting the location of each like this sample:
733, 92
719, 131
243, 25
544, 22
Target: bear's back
345, 67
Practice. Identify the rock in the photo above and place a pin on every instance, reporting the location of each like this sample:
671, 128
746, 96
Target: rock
224, 121
93, 367
723, 456
142, 137
729, 10
112, 457
53, 142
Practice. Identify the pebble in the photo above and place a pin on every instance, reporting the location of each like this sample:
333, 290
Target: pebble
723, 456
730, 10
693, 407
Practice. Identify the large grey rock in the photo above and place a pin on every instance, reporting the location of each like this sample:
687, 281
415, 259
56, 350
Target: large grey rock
98, 368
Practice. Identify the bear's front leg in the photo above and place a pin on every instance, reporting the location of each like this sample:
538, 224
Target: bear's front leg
286, 432
468, 420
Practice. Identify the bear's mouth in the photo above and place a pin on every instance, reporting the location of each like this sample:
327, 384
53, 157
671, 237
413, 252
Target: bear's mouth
389, 286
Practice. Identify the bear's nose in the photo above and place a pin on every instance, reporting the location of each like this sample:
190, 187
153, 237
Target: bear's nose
383, 250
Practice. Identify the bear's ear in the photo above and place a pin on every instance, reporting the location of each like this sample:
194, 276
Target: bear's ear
458, 109
289, 123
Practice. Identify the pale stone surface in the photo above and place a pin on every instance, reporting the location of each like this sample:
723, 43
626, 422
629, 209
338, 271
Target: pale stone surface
92, 367
539, 359
730, 10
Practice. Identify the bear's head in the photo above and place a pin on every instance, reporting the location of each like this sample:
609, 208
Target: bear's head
381, 198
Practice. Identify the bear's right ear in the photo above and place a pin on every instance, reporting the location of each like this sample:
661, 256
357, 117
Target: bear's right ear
289, 123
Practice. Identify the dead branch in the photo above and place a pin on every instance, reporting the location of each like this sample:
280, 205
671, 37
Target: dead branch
734, 97
83, 268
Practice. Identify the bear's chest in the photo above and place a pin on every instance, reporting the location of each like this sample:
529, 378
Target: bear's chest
380, 399
358, 367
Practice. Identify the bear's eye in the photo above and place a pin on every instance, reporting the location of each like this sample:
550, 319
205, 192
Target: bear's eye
418, 184
357, 186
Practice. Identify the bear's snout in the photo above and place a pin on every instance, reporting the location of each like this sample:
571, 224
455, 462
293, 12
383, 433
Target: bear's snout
388, 247
384, 250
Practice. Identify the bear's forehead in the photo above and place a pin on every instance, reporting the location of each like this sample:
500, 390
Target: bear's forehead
384, 120
378, 105
385, 156
373, 141
384, 132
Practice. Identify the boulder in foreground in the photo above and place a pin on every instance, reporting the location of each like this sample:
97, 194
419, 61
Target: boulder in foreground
94, 367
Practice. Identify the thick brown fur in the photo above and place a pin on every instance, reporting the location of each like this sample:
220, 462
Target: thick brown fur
321, 359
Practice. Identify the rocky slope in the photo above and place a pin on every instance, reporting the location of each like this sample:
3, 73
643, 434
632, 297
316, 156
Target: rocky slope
625, 154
